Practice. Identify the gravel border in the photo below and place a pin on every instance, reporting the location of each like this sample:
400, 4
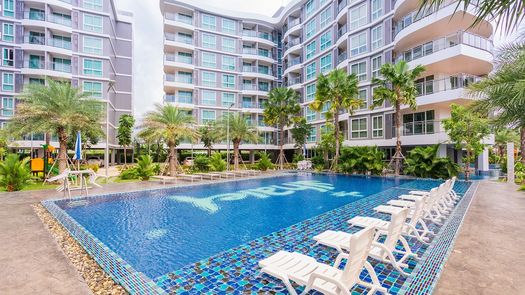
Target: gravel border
97, 280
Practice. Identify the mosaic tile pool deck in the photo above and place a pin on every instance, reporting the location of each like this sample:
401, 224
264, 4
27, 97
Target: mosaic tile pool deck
235, 271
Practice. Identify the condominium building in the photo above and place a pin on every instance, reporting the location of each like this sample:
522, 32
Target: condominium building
87, 42
217, 58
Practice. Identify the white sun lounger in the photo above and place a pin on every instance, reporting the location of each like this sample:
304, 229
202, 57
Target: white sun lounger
306, 271
385, 251
210, 176
191, 177
411, 227
452, 196
164, 178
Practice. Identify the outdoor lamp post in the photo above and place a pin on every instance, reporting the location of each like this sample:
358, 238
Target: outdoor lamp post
228, 138
111, 85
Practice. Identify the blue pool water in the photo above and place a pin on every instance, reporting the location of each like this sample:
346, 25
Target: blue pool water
159, 232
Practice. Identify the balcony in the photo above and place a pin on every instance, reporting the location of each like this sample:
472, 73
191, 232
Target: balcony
419, 128
342, 56
52, 18
253, 51
35, 64
186, 19
342, 5
342, 30
179, 78
416, 15
178, 38
445, 84
293, 81
178, 58
37, 40
175, 99
452, 40
292, 43
60, 67
261, 35
294, 61
59, 20
59, 43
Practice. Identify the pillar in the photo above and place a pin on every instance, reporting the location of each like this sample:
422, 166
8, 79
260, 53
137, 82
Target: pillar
483, 160
442, 151
252, 156
510, 162
112, 158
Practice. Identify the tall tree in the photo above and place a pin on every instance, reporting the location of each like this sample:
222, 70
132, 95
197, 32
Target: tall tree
507, 14
503, 136
300, 132
396, 86
124, 133
336, 91
56, 107
466, 130
237, 128
209, 135
170, 125
503, 92
280, 109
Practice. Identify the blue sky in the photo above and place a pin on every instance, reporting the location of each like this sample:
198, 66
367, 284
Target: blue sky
148, 43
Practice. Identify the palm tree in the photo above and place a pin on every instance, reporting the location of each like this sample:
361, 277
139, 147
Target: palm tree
238, 128
338, 91
209, 135
398, 88
506, 13
503, 136
503, 92
170, 125
56, 107
282, 105
125, 133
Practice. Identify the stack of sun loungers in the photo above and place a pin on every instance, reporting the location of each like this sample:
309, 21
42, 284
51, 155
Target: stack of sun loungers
380, 239
210, 176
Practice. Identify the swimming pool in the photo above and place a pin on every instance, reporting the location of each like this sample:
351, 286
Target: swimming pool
158, 233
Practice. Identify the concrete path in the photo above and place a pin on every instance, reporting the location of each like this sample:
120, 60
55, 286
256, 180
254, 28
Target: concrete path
489, 254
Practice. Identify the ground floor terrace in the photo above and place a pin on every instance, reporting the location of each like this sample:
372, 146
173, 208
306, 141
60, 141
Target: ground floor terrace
485, 257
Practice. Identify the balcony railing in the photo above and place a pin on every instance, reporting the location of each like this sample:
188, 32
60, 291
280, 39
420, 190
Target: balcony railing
445, 84
416, 15
254, 51
38, 40
179, 78
294, 81
35, 64
294, 22
292, 43
178, 58
419, 128
342, 30
174, 98
342, 5
294, 61
255, 34
444, 43
342, 56
60, 67
178, 38
59, 43
53, 18
179, 17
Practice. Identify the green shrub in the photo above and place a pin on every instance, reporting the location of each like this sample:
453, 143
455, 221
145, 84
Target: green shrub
129, 173
318, 161
362, 159
216, 163
93, 167
14, 173
201, 163
145, 167
424, 162
264, 162
297, 157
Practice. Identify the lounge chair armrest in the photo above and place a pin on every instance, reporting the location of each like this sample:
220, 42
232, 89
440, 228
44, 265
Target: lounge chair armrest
319, 275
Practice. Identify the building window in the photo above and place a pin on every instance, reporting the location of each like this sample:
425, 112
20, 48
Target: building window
184, 77
37, 81
209, 98
228, 63
310, 49
209, 41
8, 32
228, 44
313, 135
377, 9
209, 60
326, 40
228, 26
377, 37
209, 79
359, 69
93, 23
8, 57
326, 63
208, 116
208, 22
8, 106
310, 29
227, 99
310, 7
326, 107
310, 91
9, 8
311, 71
61, 65
92, 45
309, 114
377, 126
93, 89
185, 96
358, 44
358, 17
92, 67
8, 82
228, 81
418, 123
359, 128
93, 4
362, 95
376, 65
326, 17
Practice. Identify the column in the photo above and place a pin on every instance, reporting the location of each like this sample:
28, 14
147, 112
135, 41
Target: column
442, 151
252, 156
112, 157
510, 162
483, 160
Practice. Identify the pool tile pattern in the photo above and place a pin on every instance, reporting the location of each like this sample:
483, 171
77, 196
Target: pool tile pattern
235, 271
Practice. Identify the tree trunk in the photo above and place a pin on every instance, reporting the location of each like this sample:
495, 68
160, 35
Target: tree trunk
336, 130
209, 152
173, 160
62, 155
236, 155
467, 166
522, 144
281, 146
125, 157
398, 140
